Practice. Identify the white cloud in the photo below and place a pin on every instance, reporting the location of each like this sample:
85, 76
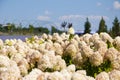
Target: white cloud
97, 17
47, 12
116, 5
99, 4
79, 17
43, 18
71, 17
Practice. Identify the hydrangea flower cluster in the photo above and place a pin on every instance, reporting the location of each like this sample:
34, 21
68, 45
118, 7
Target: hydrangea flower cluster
56, 57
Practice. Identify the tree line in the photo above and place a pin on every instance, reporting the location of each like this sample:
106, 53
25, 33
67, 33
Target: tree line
11, 28
114, 31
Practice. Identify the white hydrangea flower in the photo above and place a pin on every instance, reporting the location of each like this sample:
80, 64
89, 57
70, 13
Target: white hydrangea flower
58, 49
99, 43
17, 57
86, 51
82, 43
56, 37
44, 63
35, 46
49, 37
64, 44
95, 37
42, 47
22, 48
78, 76
33, 75
11, 50
106, 37
4, 61
76, 43
64, 36
83, 72
76, 37
114, 75
66, 74
71, 68
9, 42
116, 43
111, 54
8, 69
56, 76
44, 36
4, 51
41, 77
115, 64
90, 78
96, 59
78, 60
101, 47
33, 56
70, 50
1, 43
60, 63
50, 61
102, 76
49, 46
71, 30
86, 38
23, 70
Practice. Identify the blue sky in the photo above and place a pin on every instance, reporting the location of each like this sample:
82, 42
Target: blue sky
54, 12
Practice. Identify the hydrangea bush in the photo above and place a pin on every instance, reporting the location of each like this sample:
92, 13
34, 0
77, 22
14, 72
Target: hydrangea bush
61, 57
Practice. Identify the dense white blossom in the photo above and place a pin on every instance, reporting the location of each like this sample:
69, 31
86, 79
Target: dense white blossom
33, 75
44, 36
1, 43
71, 68
8, 69
111, 54
96, 59
78, 60
86, 38
100, 46
95, 37
56, 76
50, 61
56, 37
70, 50
78, 76
44, 57
4, 61
116, 43
58, 49
114, 75
66, 74
106, 37
102, 76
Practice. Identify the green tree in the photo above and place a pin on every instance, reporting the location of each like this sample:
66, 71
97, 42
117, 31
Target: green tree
87, 26
9, 27
31, 28
43, 30
13, 27
55, 30
19, 27
116, 28
1, 27
102, 26
64, 25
